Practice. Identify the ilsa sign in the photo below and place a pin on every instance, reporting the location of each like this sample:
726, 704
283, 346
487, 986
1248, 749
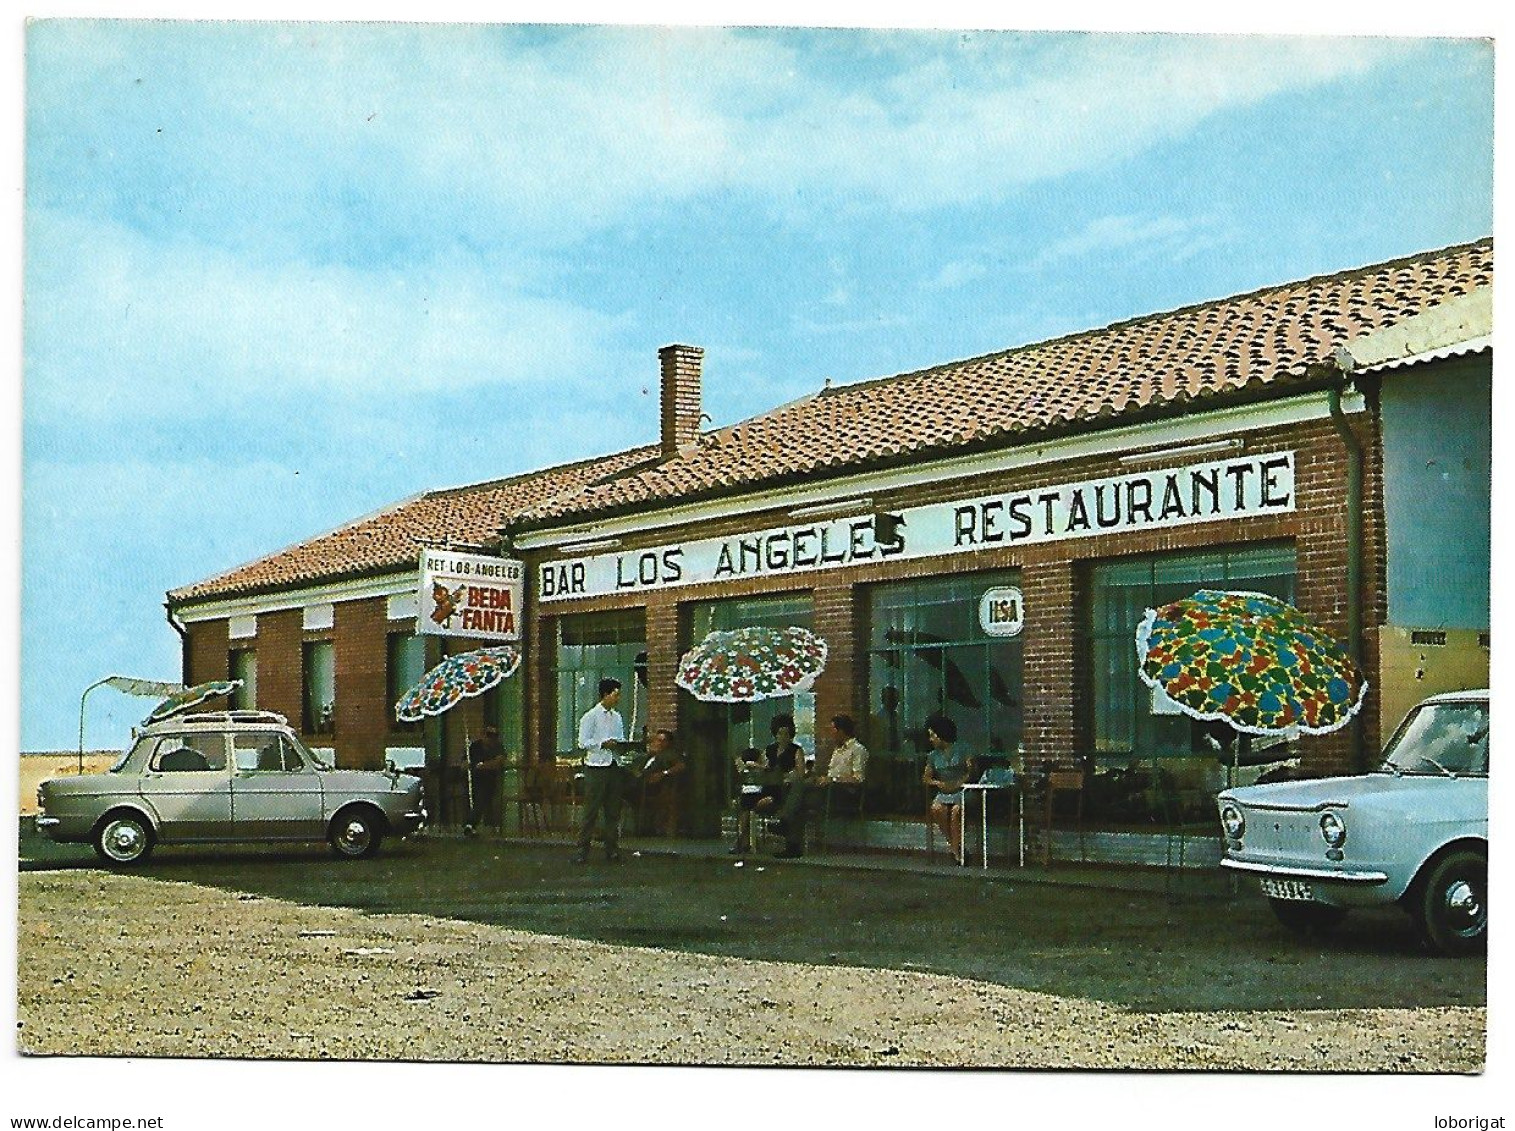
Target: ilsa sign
470, 595
1217, 490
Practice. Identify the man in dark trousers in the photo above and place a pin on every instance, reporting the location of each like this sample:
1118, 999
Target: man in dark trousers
602, 732
486, 757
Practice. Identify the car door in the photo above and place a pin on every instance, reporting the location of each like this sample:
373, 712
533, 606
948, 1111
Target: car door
186, 782
276, 795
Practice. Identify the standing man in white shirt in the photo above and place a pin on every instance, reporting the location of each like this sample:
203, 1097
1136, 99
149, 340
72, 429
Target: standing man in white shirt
601, 732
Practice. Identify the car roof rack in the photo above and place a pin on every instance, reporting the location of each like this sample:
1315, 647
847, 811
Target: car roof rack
233, 717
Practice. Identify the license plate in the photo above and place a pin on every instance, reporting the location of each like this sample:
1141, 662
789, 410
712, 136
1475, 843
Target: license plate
1288, 889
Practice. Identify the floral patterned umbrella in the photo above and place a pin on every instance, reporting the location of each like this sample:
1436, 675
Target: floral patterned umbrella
749, 664
182, 701
1251, 660
456, 678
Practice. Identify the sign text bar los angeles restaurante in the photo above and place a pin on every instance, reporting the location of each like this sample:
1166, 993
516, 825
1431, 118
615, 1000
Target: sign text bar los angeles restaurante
1141, 500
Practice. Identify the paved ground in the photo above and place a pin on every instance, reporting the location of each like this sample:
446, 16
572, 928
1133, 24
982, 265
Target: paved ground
852, 964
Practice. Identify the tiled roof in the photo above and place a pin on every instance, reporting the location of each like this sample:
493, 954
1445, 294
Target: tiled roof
392, 539
1234, 348
1255, 345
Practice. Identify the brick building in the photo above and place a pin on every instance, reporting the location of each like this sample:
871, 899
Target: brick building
1068, 485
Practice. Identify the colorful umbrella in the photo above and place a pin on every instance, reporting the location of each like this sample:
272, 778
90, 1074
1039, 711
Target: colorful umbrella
749, 664
182, 701
456, 678
1251, 660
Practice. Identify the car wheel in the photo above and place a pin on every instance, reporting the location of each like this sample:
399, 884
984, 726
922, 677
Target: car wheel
1451, 908
123, 838
356, 833
1306, 918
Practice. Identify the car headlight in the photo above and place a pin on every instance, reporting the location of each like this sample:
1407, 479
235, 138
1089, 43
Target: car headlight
1232, 821
1333, 830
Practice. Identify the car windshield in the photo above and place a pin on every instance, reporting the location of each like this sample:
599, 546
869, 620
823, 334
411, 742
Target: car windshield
1442, 738
120, 763
310, 758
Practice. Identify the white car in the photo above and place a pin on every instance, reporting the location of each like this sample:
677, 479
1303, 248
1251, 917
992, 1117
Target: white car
226, 776
1413, 832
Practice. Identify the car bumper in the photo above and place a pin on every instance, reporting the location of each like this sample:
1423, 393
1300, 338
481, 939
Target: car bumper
411, 821
1302, 872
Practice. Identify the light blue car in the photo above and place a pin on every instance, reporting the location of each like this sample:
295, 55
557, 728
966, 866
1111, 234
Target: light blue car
1414, 832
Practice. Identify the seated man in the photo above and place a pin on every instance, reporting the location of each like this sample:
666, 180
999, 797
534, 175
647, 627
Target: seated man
849, 761
662, 780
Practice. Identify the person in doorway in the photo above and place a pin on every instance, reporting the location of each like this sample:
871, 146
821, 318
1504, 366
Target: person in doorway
662, 779
947, 771
486, 757
602, 732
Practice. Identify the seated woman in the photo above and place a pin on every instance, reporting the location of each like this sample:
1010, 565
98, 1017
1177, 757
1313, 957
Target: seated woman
947, 771
751, 769
784, 756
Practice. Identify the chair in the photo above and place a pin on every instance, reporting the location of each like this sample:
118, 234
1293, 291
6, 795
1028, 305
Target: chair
530, 799
846, 799
1062, 782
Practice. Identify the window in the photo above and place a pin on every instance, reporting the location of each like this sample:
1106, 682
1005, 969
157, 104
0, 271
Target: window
405, 666
592, 647
928, 653
270, 752
188, 753
320, 674
1128, 723
244, 666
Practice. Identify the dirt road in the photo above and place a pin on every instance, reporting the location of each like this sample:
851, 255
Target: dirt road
138, 964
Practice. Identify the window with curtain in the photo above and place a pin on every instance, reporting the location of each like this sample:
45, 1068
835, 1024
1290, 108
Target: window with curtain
927, 653
1128, 722
320, 678
405, 664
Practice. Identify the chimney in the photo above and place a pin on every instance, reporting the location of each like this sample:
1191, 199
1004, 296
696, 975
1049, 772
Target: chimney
681, 397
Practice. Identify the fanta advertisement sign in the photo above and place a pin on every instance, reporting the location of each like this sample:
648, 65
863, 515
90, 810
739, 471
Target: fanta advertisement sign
470, 595
1002, 611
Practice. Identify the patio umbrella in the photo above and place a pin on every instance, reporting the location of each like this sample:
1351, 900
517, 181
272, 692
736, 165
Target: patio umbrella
464, 676
747, 665
1249, 660
182, 701
750, 664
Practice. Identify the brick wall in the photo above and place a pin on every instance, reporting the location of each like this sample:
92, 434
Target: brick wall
207, 655
280, 664
359, 635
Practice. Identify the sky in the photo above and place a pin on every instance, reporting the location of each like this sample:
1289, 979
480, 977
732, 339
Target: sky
278, 276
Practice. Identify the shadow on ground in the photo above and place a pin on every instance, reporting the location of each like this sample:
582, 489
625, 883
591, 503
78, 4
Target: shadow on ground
1144, 950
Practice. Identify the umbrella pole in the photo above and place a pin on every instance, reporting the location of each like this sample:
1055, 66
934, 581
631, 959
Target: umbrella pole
468, 769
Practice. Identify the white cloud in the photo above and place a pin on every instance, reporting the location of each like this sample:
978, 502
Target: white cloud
546, 139
189, 328
955, 274
1175, 237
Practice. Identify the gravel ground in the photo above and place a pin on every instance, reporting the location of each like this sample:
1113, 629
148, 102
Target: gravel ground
114, 964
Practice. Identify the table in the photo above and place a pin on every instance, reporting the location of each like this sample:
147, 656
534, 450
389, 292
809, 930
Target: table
983, 790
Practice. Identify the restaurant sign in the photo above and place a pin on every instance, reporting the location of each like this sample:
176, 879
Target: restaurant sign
1137, 501
470, 595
